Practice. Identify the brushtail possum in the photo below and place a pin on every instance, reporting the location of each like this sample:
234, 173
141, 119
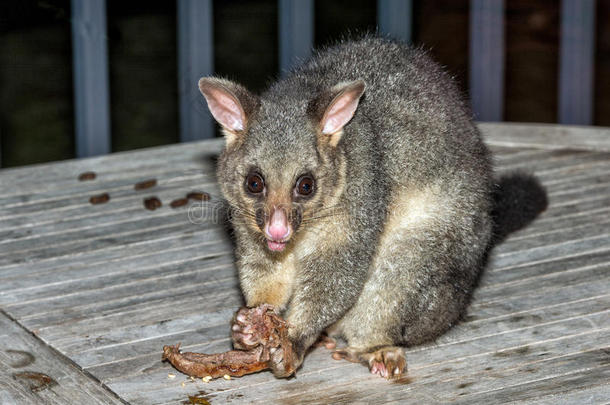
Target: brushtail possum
360, 192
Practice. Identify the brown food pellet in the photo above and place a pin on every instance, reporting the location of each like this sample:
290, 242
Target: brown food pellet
99, 199
143, 185
178, 202
86, 176
152, 203
199, 196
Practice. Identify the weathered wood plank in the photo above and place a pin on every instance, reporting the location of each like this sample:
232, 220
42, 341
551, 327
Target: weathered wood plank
545, 283
153, 299
111, 182
542, 253
132, 317
591, 182
564, 223
546, 136
31, 372
56, 175
556, 381
200, 261
74, 248
114, 256
570, 179
93, 232
552, 238
581, 394
79, 203
596, 205
136, 287
524, 156
520, 307
493, 275
560, 160
15, 284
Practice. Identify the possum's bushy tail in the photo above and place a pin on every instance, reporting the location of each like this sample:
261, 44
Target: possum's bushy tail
518, 199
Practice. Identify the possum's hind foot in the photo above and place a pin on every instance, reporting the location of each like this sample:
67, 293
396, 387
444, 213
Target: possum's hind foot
388, 361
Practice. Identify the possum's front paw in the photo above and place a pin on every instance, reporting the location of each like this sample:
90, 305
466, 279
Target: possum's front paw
285, 360
248, 327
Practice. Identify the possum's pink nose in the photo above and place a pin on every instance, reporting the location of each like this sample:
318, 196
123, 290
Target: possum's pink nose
277, 228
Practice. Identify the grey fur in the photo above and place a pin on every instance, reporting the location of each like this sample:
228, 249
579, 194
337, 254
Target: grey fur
393, 263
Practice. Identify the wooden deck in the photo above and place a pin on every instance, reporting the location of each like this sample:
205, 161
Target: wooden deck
89, 294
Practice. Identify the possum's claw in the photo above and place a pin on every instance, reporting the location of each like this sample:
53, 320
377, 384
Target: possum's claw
387, 362
284, 360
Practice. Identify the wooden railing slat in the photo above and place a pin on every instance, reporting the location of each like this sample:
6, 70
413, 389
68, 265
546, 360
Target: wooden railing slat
295, 31
395, 18
91, 87
576, 62
486, 57
195, 59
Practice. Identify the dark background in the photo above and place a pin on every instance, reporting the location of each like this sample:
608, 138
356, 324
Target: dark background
36, 112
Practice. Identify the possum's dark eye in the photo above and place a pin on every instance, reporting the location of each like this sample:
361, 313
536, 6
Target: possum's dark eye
305, 186
255, 183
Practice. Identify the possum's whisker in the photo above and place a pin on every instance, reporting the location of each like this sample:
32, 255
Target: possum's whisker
242, 210
319, 217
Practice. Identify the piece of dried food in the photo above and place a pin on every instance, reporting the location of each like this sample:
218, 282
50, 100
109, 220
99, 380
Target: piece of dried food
274, 335
86, 176
99, 199
143, 185
152, 203
233, 362
198, 196
179, 202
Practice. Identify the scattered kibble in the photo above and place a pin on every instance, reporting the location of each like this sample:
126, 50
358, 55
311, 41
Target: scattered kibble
86, 176
227, 377
179, 202
145, 184
198, 196
171, 376
99, 199
183, 384
206, 379
152, 203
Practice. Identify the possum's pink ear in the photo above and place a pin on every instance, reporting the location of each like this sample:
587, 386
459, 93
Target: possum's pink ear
342, 107
229, 103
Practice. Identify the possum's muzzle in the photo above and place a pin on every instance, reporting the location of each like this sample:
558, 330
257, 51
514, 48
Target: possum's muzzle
278, 223
277, 229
